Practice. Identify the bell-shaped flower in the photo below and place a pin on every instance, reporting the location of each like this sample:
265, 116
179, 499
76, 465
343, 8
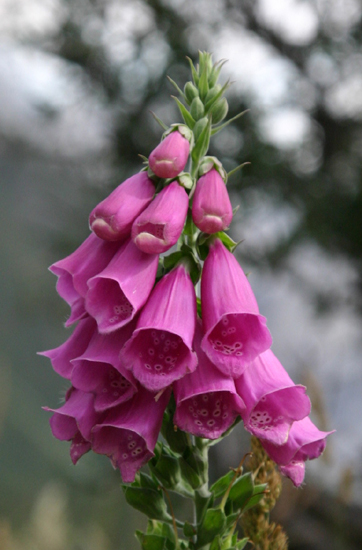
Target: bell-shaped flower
170, 156
273, 402
160, 225
74, 271
61, 357
235, 332
206, 400
99, 370
112, 218
129, 432
305, 442
74, 422
121, 289
211, 206
160, 350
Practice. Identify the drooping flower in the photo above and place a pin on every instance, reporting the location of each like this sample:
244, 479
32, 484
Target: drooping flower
121, 289
211, 206
74, 422
160, 350
129, 432
159, 226
273, 402
169, 158
74, 271
112, 218
305, 442
235, 332
61, 357
99, 370
206, 400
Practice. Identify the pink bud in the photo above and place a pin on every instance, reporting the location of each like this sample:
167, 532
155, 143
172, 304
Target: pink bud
305, 442
273, 402
235, 332
74, 271
160, 225
112, 218
206, 400
211, 207
170, 156
119, 291
160, 350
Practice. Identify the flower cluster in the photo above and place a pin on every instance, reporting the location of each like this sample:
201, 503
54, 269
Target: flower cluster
142, 332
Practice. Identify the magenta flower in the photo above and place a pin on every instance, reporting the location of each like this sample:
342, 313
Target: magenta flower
235, 332
99, 370
159, 226
160, 350
273, 402
74, 422
74, 271
129, 432
121, 289
305, 442
76, 344
206, 400
112, 218
170, 156
211, 206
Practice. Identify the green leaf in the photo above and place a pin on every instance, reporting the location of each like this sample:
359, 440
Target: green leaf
198, 305
226, 240
214, 97
162, 124
184, 113
216, 545
202, 502
202, 143
166, 469
231, 519
195, 76
213, 525
147, 501
203, 82
218, 128
242, 543
189, 530
242, 490
216, 71
258, 495
151, 542
177, 88
177, 440
189, 474
220, 486
147, 482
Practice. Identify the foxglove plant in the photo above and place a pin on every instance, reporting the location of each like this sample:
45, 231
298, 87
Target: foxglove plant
156, 372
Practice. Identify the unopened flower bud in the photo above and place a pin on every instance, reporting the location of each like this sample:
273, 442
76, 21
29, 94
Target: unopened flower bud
211, 207
159, 226
212, 93
219, 110
112, 218
199, 126
190, 91
197, 108
170, 156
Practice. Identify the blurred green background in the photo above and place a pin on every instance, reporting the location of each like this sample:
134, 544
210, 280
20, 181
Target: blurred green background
77, 81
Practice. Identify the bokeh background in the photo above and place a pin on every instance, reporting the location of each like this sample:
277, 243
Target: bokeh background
78, 79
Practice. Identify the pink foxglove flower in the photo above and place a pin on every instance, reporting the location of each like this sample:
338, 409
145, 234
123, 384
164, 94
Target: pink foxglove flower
211, 206
74, 271
170, 156
273, 402
74, 422
76, 344
160, 350
121, 289
112, 218
206, 400
305, 442
159, 226
235, 332
99, 370
129, 432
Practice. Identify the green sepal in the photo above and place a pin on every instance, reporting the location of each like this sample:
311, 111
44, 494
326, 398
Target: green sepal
218, 128
190, 92
157, 119
151, 542
199, 127
220, 486
219, 110
189, 474
226, 240
177, 439
189, 226
242, 543
195, 76
147, 501
189, 530
166, 469
184, 254
198, 306
184, 113
195, 460
177, 88
258, 495
213, 524
216, 71
203, 81
185, 180
211, 98
202, 143
197, 109
146, 481
164, 530
241, 491
231, 519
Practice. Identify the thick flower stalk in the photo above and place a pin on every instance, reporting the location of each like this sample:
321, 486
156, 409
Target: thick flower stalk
171, 351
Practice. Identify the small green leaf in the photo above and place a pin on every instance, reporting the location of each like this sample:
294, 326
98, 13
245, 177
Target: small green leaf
184, 113
151, 542
214, 97
195, 76
218, 128
220, 486
189, 474
198, 305
147, 501
202, 143
162, 124
242, 490
199, 127
227, 241
166, 469
176, 439
231, 519
242, 543
203, 82
258, 495
189, 530
213, 524
147, 482
202, 502
216, 71
177, 88
216, 545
